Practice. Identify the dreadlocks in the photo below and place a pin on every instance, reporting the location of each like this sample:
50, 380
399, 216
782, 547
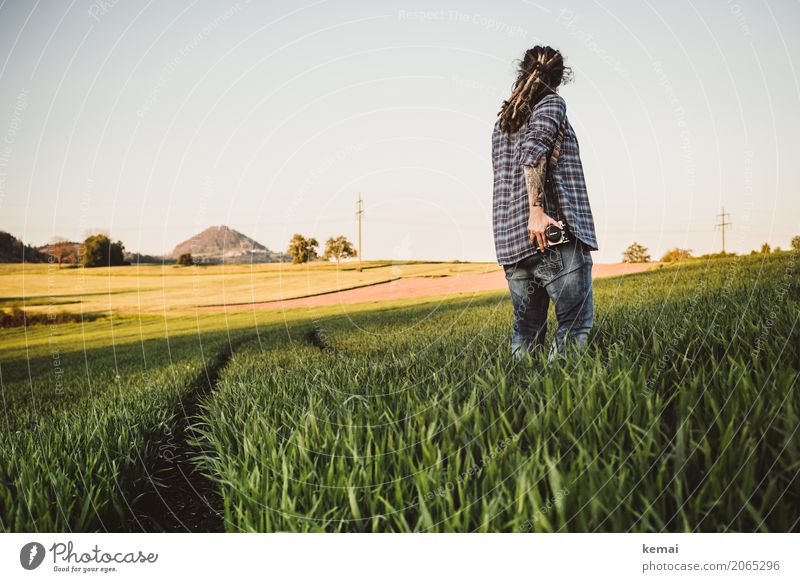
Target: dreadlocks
540, 72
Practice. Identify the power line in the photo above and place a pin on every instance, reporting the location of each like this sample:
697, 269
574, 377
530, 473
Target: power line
722, 224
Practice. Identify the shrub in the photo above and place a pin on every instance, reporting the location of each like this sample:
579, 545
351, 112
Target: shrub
99, 251
676, 254
186, 260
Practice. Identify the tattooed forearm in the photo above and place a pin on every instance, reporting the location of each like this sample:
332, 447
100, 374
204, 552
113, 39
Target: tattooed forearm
534, 180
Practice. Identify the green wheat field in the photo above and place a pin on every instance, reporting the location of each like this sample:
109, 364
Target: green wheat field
410, 416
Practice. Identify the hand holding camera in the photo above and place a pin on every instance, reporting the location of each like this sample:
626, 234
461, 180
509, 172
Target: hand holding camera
544, 231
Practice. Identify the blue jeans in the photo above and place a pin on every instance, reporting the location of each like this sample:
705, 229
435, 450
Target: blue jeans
564, 274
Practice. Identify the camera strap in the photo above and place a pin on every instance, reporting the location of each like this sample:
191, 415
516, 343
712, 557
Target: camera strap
551, 165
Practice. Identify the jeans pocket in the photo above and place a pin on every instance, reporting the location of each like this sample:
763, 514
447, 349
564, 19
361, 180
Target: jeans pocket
572, 257
550, 266
522, 269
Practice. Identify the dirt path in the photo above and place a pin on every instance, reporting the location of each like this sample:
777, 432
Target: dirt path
183, 500
412, 287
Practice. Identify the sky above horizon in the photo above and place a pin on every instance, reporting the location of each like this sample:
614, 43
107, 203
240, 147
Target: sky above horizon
153, 121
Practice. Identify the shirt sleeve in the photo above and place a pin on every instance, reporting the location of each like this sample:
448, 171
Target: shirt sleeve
542, 128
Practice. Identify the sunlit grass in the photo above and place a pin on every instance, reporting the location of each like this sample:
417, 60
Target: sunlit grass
682, 416
409, 415
158, 289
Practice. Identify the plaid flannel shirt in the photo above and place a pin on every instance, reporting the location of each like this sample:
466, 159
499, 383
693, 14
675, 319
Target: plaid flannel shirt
512, 151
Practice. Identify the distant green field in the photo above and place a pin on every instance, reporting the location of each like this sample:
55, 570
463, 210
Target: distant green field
409, 416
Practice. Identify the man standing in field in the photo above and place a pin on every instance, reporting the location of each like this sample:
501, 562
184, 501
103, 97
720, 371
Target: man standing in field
538, 181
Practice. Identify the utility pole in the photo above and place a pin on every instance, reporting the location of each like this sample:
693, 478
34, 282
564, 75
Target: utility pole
722, 224
360, 217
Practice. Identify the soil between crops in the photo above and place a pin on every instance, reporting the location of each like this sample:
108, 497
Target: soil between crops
183, 499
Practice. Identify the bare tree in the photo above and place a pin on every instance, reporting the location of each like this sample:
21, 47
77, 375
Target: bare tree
61, 249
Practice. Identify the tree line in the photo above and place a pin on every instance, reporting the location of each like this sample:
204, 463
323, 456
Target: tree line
99, 250
637, 253
304, 249
95, 251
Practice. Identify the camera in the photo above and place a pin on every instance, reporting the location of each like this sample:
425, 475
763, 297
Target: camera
556, 235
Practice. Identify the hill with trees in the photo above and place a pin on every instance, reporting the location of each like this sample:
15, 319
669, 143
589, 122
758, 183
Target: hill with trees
13, 250
221, 244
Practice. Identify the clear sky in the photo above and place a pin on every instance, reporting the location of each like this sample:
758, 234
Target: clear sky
153, 120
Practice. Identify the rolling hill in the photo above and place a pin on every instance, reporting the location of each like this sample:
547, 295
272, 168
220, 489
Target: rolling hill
218, 244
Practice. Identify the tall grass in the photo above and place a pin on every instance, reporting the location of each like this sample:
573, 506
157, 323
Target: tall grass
81, 433
682, 415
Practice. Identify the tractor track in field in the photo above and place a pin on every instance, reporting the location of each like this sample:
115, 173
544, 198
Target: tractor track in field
179, 497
